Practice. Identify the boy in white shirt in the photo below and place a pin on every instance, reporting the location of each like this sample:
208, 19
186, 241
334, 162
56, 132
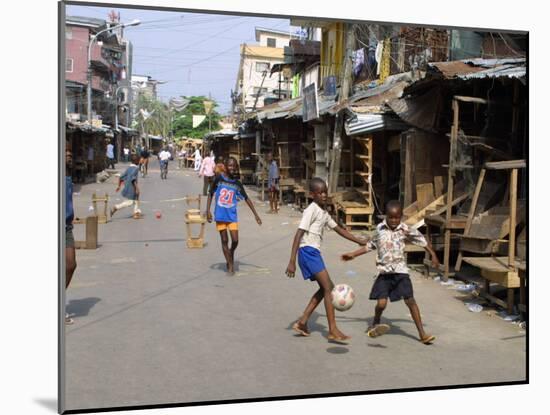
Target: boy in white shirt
307, 244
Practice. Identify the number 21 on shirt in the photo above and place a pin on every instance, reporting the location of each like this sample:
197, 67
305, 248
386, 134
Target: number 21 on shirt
226, 197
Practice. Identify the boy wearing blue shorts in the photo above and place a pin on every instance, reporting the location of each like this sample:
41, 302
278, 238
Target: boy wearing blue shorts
306, 246
393, 280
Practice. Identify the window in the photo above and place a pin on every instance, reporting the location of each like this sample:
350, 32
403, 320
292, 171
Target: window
68, 65
262, 66
271, 42
68, 33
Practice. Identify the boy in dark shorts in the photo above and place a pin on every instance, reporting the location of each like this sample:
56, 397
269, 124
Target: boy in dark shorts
227, 191
393, 279
307, 245
70, 254
131, 190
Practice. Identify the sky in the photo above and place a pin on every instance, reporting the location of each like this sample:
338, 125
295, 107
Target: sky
194, 53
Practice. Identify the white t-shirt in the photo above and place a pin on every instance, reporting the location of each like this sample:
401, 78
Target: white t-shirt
126, 151
164, 155
314, 221
110, 151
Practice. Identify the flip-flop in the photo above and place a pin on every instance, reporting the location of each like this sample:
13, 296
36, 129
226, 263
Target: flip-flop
296, 328
378, 330
428, 339
338, 339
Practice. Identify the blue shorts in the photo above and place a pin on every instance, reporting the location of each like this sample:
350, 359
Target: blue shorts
310, 262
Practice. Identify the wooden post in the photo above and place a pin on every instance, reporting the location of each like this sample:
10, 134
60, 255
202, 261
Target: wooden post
450, 185
513, 207
339, 122
471, 214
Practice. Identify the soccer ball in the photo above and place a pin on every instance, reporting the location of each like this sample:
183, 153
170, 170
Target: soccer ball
342, 297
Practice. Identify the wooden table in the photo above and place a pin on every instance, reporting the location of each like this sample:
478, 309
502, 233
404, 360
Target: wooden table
496, 269
456, 224
350, 209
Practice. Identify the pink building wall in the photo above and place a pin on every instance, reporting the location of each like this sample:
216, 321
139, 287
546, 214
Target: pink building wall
77, 50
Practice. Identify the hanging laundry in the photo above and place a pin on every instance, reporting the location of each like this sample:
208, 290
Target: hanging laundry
378, 55
358, 61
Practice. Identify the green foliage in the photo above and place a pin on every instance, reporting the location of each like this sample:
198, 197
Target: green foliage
159, 122
183, 121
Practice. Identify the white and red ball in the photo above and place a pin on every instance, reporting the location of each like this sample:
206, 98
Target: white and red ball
342, 297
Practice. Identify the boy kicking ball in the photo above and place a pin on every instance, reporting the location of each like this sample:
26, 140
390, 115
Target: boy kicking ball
307, 245
393, 279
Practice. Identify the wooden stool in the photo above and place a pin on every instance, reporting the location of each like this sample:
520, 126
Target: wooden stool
91, 233
101, 217
194, 217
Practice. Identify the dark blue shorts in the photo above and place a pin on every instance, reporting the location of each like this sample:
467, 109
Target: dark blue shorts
310, 262
394, 286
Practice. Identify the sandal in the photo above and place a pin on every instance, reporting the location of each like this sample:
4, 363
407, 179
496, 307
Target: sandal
338, 339
428, 339
302, 330
68, 320
377, 330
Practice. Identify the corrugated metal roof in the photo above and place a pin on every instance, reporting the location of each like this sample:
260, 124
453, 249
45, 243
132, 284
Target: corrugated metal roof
368, 123
481, 68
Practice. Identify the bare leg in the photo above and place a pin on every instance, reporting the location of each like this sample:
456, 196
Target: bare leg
276, 200
380, 307
312, 305
234, 243
70, 265
226, 251
324, 281
415, 313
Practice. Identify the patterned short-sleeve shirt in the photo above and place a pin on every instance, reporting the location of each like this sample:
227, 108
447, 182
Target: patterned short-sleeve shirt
390, 246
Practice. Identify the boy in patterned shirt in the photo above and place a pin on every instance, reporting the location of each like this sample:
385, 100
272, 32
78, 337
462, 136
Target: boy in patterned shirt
227, 192
393, 279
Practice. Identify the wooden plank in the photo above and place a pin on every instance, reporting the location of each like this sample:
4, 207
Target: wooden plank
470, 99
513, 212
505, 165
438, 186
422, 212
456, 201
424, 194
91, 232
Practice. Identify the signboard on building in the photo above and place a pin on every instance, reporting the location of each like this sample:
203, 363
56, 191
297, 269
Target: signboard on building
310, 104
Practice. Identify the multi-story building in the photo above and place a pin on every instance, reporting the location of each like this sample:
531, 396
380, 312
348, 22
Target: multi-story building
110, 65
254, 78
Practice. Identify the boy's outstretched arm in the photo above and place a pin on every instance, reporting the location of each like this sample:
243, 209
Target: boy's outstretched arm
433, 255
291, 268
349, 236
351, 255
253, 209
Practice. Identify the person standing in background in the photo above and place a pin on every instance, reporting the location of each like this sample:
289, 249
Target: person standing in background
110, 153
207, 171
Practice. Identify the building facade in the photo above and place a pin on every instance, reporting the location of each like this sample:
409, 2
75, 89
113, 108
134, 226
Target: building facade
255, 81
110, 65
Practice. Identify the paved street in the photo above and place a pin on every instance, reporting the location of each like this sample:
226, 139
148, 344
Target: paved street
156, 322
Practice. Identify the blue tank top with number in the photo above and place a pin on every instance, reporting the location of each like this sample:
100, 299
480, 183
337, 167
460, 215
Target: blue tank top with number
228, 192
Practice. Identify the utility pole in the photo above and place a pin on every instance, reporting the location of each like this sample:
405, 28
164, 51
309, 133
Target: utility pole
345, 86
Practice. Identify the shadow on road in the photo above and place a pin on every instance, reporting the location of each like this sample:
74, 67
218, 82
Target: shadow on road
82, 307
48, 403
338, 350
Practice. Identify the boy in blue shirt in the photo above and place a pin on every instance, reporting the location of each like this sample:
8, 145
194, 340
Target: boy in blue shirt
228, 191
131, 190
